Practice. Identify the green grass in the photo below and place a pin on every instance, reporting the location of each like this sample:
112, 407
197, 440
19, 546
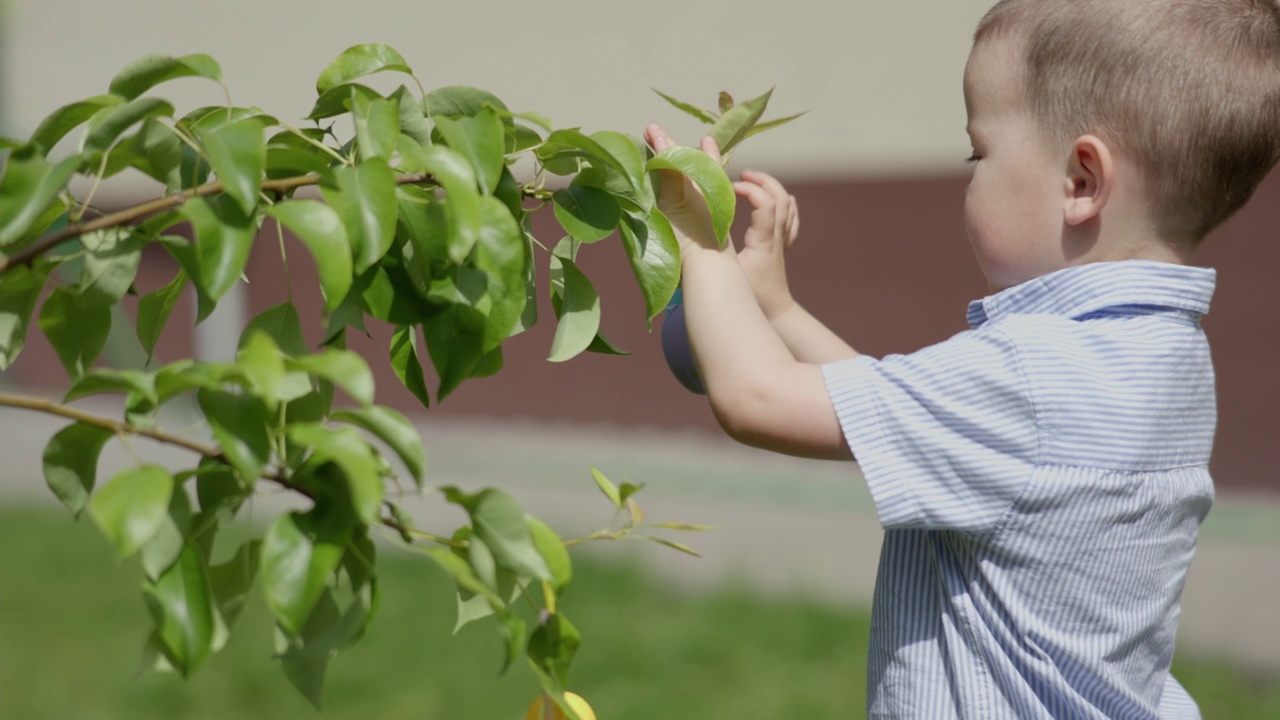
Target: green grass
72, 624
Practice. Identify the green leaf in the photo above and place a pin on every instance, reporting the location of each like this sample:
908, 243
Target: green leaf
289, 155
377, 126
455, 336
262, 364
131, 506
182, 606
607, 487
627, 490
159, 153
413, 118
393, 428
654, 254
460, 101
553, 551
145, 73
673, 544
406, 365
165, 547
501, 254
238, 154
110, 264
104, 380
500, 523
630, 152
771, 124
281, 322
239, 424
338, 100
717, 188
602, 346
571, 143
733, 125
154, 310
512, 630
577, 306
683, 526
184, 252
69, 117
299, 554
480, 138
553, 646
343, 368
726, 102
224, 237
423, 225
20, 289
71, 463
77, 327
365, 199
231, 582
462, 202
218, 490
30, 184
357, 459
109, 123
588, 214
461, 572
358, 61
211, 117
692, 110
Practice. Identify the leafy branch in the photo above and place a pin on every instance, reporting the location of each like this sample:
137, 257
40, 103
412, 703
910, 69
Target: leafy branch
422, 225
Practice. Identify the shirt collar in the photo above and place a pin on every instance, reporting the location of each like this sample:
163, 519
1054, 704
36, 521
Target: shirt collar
1083, 289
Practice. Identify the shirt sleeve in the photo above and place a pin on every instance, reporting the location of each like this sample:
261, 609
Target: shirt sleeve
946, 437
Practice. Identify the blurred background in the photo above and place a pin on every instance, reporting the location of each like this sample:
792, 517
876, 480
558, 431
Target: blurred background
771, 621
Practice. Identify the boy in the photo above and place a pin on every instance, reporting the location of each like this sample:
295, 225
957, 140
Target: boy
1041, 477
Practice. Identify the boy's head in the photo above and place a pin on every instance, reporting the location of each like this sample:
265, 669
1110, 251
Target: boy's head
1185, 92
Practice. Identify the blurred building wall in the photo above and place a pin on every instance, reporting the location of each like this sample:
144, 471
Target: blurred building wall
875, 165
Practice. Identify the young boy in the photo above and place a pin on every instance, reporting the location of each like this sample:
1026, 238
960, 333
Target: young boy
1042, 476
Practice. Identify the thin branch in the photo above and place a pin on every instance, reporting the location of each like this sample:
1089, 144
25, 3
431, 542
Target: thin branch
158, 205
123, 429
120, 428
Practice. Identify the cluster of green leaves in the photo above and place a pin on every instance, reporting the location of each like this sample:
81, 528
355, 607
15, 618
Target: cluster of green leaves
420, 223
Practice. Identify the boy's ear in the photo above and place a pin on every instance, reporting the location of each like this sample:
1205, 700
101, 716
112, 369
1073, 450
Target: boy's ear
1090, 177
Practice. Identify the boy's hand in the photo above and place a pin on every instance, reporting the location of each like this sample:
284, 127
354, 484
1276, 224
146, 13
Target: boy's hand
681, 200
775, 223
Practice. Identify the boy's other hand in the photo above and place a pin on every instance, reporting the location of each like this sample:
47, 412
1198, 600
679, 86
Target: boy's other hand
775, 224
681, 200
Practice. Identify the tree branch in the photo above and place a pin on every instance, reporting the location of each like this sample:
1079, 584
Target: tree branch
168, 202
50, 407
120, 428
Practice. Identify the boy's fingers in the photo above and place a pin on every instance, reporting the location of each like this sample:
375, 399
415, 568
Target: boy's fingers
658, 138
769, 183
754, 194
794, 222
710, 148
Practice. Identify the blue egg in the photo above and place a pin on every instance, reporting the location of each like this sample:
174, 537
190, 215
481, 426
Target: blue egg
675, 346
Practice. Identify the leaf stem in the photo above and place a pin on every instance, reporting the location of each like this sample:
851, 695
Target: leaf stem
315, 142
93, 189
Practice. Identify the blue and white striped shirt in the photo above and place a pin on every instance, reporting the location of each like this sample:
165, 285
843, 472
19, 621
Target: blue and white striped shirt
1041, 479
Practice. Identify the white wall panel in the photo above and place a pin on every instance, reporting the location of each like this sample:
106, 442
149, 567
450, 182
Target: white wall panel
880, 79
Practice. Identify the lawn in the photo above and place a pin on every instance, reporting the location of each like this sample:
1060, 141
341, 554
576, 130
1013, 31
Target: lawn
72, 623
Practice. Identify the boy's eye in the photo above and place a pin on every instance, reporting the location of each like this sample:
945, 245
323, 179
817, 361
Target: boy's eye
972, 158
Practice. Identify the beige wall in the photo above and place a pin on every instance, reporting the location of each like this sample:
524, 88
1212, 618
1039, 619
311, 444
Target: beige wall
881, 79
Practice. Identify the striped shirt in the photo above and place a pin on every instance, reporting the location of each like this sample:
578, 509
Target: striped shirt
1041, 479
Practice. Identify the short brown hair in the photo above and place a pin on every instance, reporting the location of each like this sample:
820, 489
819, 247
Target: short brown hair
1188, 89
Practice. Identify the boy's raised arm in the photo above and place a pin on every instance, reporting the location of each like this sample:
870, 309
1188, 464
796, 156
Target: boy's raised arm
775, 224
761, 395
